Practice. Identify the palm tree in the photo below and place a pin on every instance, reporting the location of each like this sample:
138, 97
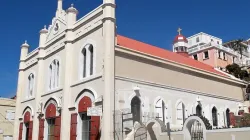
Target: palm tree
237, 45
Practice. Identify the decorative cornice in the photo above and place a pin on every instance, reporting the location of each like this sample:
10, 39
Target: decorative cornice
109, 18
87, 79
109, 4
31, 99
52, 91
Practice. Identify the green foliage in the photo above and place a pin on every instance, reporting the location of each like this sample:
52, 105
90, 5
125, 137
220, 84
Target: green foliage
242, 121
235, 70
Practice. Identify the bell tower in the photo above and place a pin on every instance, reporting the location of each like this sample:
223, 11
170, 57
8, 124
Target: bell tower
180, 44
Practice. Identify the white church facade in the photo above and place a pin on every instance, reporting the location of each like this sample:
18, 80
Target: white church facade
83, 63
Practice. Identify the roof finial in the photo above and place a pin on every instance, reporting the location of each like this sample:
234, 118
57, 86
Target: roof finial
59, 5
179, 30
45, 26
72, 5
25, 42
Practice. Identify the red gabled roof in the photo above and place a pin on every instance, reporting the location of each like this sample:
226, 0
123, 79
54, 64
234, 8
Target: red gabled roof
165, 54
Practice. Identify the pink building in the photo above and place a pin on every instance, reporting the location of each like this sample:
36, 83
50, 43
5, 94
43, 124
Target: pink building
205, 48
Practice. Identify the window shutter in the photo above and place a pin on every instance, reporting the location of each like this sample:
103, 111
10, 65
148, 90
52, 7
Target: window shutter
41, 129
94, 128
20, 131
57, 128
30, 130
158, 108
73, 126
232, 119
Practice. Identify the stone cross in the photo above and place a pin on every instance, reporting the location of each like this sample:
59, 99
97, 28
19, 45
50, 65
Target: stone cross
179, 30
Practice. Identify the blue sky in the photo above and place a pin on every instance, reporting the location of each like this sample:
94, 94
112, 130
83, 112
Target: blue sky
151, 21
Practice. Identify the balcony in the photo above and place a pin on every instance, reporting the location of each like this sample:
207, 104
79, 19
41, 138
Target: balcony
197, 48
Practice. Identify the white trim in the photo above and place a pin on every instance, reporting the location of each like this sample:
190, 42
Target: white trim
86, 45
52, 91
166, 115
27, 100
48, 74
28, 108
180, 101
27, 94
92, 96
87, 79
54, 100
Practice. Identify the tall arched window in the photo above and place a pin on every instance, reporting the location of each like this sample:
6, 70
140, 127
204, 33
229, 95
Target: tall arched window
161, 110
84, 57
54, 71
180, 113
30, 85
215, 117
198, 110
136, 109
87, 61
91, 57
228, 117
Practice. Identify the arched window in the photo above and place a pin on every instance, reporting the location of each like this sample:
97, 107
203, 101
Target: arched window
228, 117
54, 71
215, 117
83, 126
87, 61
198, 110
136, 109
161, 110
30, 85
84, 57
91, 57
180, 113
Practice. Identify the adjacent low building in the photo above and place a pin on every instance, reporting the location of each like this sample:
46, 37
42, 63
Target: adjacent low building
7, 117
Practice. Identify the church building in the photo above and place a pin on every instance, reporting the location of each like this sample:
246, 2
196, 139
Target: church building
86, 82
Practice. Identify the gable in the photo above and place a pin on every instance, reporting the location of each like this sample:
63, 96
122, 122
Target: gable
58, 26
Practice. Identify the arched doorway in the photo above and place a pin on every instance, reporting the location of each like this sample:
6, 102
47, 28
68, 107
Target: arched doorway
84, 126
50, 125
198, 110
214, 116
136, 109
228, 117
26, 127
194, 129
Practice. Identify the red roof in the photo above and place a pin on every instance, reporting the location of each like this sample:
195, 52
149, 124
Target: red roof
180, 38
165, 54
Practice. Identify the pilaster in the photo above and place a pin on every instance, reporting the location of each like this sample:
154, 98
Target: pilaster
109, 28
66, 115
40, 81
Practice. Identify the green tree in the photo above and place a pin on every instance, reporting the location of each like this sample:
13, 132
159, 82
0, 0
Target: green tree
236, 70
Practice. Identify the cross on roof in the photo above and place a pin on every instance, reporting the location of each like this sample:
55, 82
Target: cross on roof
179, 31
